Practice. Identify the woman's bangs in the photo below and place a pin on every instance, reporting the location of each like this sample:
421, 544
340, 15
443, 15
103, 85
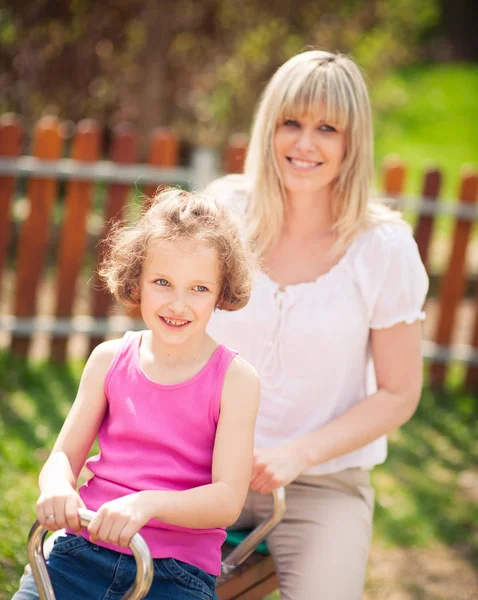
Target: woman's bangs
317, 93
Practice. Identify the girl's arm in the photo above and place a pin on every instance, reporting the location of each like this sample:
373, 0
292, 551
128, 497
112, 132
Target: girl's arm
59, 475
217, 504
397, 358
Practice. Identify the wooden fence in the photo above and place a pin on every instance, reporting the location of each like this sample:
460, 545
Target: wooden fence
48, 239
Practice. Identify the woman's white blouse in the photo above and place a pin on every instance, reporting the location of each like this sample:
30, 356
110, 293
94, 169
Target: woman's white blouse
310, 341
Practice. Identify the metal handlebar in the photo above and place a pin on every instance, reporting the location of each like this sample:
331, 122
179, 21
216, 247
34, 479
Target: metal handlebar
139, 548
257, 535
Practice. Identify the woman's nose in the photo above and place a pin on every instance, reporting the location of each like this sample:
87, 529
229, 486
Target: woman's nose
305, 141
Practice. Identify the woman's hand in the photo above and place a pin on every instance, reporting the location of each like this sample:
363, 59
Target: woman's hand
117, 521
276, 467
57, 507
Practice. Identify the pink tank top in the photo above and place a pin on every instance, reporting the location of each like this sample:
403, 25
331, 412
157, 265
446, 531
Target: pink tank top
159, 437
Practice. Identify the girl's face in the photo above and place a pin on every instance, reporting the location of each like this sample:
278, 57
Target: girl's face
179, 286
309, 152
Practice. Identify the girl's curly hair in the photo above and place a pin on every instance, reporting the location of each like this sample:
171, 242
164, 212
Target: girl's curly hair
175, 214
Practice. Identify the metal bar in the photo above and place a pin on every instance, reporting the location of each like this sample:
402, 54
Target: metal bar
445, 354
257, 535
426, 206
102, 170
203, 169
61, 327
139, 548
87, 325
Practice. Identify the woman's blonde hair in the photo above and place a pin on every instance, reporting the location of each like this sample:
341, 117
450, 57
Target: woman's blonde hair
173, 215
299, 87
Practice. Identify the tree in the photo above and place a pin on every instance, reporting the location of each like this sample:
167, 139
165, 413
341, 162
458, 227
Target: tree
198, 66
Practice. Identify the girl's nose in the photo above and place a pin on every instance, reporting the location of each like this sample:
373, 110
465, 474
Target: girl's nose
177, 304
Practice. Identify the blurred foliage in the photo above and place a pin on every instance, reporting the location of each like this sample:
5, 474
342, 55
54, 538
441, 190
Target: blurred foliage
198, 66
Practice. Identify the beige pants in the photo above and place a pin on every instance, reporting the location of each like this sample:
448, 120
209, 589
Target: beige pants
321, 546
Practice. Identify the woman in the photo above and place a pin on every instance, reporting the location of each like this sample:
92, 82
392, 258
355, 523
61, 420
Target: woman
332, 326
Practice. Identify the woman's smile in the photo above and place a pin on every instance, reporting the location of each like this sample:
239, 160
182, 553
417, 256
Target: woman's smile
303, 164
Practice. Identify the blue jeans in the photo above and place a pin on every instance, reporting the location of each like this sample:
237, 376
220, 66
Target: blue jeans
80, 569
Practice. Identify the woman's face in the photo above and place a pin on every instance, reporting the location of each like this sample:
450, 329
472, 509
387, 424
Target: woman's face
309, 152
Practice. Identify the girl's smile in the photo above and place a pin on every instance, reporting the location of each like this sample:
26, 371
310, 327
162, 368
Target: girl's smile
174, 322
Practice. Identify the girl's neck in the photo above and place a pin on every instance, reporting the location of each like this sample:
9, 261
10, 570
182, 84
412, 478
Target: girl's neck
170, 356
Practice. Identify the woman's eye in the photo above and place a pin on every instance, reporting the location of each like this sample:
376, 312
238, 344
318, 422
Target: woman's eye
200, 288
291, 123
325, 127
163, 282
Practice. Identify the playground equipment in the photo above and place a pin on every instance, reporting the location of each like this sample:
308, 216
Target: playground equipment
247, 570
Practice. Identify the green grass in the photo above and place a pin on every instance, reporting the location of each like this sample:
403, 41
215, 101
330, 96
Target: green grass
421, 500
427, 115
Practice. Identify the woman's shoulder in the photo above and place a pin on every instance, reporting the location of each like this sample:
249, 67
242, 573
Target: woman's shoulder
380, 239
234, 183
231, 191
381, 247
386, 254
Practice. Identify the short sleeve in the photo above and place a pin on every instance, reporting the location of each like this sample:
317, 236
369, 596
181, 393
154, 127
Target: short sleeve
396, 282
231, 191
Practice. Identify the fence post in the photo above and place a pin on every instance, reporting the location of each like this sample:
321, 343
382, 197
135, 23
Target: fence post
424, 226
41, 194
471, 377
124, 150
235, 154
164, 152
452, 283
394, 173
204, 164
71, 249
11, 137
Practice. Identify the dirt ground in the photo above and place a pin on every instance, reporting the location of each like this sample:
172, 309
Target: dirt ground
439, 573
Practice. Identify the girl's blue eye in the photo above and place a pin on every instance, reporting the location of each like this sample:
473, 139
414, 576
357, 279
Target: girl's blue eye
200, 288
163, 282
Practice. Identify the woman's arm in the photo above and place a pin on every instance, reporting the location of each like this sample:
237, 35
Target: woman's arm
396, 353
59, 475
217, 504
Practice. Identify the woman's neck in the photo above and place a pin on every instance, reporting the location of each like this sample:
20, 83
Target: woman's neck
307, 215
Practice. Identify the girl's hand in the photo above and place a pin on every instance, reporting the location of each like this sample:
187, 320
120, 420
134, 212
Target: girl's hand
57, 507
117, 521
276, 467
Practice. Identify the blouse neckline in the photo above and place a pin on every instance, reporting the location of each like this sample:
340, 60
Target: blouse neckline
313, 282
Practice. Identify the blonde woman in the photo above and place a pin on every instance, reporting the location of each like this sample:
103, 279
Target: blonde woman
332, 326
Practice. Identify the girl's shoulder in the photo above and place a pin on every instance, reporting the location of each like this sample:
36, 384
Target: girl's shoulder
241, 383
239, 368
107, 350
107, 353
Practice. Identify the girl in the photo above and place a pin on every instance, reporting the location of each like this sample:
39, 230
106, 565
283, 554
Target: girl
173, 410
333, 324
